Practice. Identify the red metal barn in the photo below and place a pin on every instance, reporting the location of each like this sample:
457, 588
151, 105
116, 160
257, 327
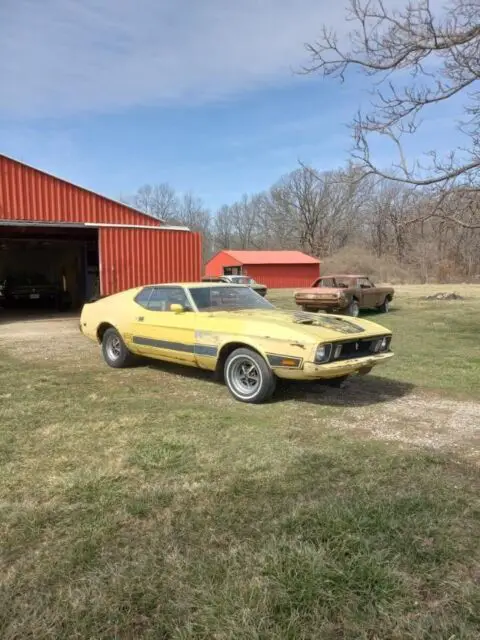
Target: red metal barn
50, 226
276, 269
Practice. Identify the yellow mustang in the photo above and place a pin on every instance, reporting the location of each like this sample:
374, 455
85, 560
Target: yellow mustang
234, 332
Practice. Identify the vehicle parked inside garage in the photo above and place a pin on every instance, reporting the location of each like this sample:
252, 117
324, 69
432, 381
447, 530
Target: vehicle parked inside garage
344, 294
33, 290
230, 330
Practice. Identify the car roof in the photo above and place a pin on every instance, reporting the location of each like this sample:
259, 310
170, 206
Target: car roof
190, 285
344, 275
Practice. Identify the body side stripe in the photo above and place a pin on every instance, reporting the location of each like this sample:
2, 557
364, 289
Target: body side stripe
197, 349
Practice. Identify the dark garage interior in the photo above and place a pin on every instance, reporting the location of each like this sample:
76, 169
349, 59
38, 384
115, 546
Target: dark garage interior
65, 256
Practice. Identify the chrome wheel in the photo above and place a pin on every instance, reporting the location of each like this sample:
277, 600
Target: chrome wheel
244, 376
248, 376
114, 348
115, 352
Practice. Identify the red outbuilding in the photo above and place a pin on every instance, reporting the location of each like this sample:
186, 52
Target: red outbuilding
91, 243
276, 269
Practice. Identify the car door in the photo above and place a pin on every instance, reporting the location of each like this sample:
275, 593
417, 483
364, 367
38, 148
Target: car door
161, 333
376, 295
367, 293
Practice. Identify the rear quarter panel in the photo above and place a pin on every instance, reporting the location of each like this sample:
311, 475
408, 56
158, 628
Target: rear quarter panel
117, 310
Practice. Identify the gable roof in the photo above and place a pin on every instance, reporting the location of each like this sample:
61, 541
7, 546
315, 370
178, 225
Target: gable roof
28, 193
271, 257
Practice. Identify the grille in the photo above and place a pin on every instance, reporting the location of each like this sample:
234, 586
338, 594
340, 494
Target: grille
356, 348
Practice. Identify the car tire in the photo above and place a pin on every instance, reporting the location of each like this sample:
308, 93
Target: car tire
248, 377
385, 306
353, 309
114, 351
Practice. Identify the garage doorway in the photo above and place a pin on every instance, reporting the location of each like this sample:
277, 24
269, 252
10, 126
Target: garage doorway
42, 265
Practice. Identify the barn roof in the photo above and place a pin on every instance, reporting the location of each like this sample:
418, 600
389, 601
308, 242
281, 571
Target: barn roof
271, 257
24, 189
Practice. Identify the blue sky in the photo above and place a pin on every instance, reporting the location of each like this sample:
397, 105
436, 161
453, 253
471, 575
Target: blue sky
113, 94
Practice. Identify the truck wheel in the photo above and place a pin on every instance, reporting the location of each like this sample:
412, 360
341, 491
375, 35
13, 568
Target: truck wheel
248, 376
115, 353
353, 309
385, 306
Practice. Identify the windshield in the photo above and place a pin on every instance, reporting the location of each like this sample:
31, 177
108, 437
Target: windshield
242, 280
27, 280
227, 298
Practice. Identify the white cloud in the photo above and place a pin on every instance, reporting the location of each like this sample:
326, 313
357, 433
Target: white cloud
61, 57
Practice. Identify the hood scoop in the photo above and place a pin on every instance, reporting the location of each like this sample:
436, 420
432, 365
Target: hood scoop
327, 322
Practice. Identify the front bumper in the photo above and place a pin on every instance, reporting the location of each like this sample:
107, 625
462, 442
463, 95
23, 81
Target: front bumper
312, 371
332, 304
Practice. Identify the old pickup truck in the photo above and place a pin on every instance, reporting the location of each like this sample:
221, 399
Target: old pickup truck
344, 294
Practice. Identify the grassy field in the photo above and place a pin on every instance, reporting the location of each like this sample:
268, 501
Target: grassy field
146, 503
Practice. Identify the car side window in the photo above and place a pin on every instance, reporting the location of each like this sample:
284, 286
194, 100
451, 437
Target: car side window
326, 282
143, 297
364, 283
163, 297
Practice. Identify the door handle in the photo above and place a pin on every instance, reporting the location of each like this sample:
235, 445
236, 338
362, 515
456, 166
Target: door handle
139, 318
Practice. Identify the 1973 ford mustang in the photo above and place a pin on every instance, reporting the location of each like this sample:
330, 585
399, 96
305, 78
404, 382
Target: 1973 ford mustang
234, 332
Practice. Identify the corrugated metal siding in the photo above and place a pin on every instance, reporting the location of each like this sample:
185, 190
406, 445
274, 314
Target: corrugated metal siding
31, 195
282, 276
214, 266
134, 257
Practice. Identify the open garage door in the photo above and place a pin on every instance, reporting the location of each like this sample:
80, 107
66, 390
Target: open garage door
48, 265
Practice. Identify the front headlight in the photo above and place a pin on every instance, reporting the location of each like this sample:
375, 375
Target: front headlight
382, 344
322, 353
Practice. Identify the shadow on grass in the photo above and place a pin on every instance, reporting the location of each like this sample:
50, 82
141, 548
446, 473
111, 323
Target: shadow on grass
358, 391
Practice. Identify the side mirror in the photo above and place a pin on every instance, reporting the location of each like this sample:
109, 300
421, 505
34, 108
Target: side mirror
177, 308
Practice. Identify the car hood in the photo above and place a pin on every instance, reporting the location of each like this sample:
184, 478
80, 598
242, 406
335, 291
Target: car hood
298, 325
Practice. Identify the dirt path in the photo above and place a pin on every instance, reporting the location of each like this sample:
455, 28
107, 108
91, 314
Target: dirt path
419, 419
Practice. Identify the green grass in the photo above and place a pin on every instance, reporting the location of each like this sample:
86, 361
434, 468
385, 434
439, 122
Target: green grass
146, 503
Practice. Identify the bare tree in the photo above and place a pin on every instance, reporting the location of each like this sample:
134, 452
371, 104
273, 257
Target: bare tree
244, 218
193, 214
420, 57
322, 209
223, 229
165, 202
159, 201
